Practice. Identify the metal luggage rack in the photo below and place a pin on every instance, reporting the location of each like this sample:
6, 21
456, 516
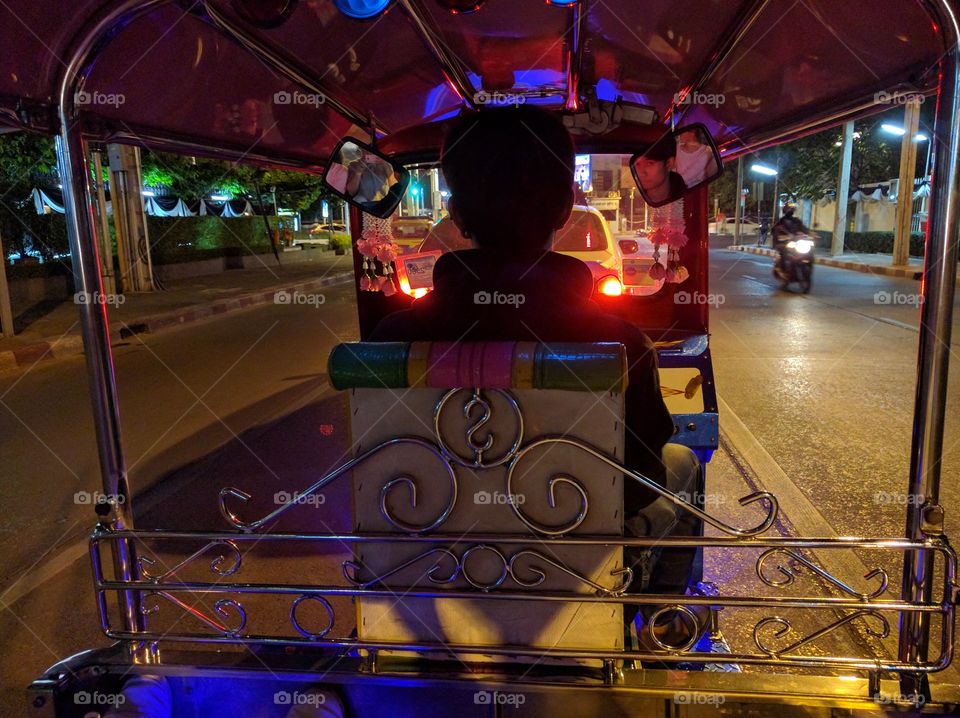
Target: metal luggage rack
218, 609
524, 561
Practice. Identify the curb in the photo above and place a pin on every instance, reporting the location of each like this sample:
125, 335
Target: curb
842, 264
15, 360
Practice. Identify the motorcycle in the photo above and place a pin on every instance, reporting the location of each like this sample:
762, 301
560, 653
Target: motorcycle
795, 264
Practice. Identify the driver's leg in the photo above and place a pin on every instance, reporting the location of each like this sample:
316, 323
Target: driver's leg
673, 569
670, 569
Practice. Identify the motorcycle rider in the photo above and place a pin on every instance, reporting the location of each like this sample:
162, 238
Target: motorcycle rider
783, 231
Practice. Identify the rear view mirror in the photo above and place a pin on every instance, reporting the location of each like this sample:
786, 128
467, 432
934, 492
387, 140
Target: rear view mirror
678, 162
365, 178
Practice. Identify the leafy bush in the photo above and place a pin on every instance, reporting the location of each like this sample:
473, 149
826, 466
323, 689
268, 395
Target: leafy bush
188, 239
340, 240
25, 231
870, 242
879, 243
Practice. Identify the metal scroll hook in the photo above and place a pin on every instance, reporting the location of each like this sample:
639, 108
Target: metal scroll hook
224, 608
229, 515
485, 415
772, 511
351, 569
789, 574
785, 625
219, 565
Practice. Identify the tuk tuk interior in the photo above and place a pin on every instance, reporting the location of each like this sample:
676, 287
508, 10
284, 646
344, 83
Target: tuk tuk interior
218, 79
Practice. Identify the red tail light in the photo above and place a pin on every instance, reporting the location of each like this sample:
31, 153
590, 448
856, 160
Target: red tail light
610, 286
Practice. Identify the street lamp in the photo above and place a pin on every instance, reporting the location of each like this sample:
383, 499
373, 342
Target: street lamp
766, 171
900, 132
919, 137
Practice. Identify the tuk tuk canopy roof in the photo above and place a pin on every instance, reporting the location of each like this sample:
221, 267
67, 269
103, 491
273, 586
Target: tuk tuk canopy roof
759, 71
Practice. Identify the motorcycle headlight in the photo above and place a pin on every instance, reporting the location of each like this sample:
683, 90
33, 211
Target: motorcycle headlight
804, 246
791, 244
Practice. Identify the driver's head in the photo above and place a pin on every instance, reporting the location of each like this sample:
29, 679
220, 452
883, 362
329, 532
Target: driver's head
655, 165
510, 174
789, 209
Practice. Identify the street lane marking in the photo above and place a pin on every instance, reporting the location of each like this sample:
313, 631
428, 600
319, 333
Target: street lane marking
803, 515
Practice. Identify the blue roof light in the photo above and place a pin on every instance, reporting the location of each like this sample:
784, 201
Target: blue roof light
361, 9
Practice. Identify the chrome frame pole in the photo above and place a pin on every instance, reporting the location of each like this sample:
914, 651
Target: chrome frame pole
939, 275
576, 29
75, 176
452, 69
285, 65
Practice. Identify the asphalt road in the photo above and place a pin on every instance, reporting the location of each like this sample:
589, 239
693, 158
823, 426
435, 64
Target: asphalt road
823, 384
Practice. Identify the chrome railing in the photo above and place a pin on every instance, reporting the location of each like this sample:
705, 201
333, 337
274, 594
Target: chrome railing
214, 601
191, 576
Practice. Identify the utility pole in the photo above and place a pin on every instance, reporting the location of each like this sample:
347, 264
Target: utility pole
738, 212
843, 191
908, 172
6, 312
106, 251
774, 215
129, 218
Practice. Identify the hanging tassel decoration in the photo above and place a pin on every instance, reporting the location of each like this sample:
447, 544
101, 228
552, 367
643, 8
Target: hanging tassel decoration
379, 254
669, 230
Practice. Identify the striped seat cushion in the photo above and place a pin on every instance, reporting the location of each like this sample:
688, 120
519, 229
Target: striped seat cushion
592, 367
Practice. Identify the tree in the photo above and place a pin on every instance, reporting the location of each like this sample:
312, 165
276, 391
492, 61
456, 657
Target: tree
192, 178
810, 167
26, 158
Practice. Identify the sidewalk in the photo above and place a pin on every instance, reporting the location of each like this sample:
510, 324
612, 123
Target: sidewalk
867, 263
57, 334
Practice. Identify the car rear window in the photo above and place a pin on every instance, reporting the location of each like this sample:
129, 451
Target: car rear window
583, 232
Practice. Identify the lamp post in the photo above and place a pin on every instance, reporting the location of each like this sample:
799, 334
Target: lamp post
765, 171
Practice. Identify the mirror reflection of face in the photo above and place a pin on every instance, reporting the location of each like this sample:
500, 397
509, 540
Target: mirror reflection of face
365, 178
695, 160
656, 178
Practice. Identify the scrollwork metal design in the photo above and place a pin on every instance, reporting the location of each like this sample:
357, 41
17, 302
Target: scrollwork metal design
560, 529
295, 622
688, 615
477, 400
223, 607
476, 583
351, 569
618, 590
218, 565
403, 525
509, 568
773, 507
511, 458
785, 625
242, 496
789, 576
